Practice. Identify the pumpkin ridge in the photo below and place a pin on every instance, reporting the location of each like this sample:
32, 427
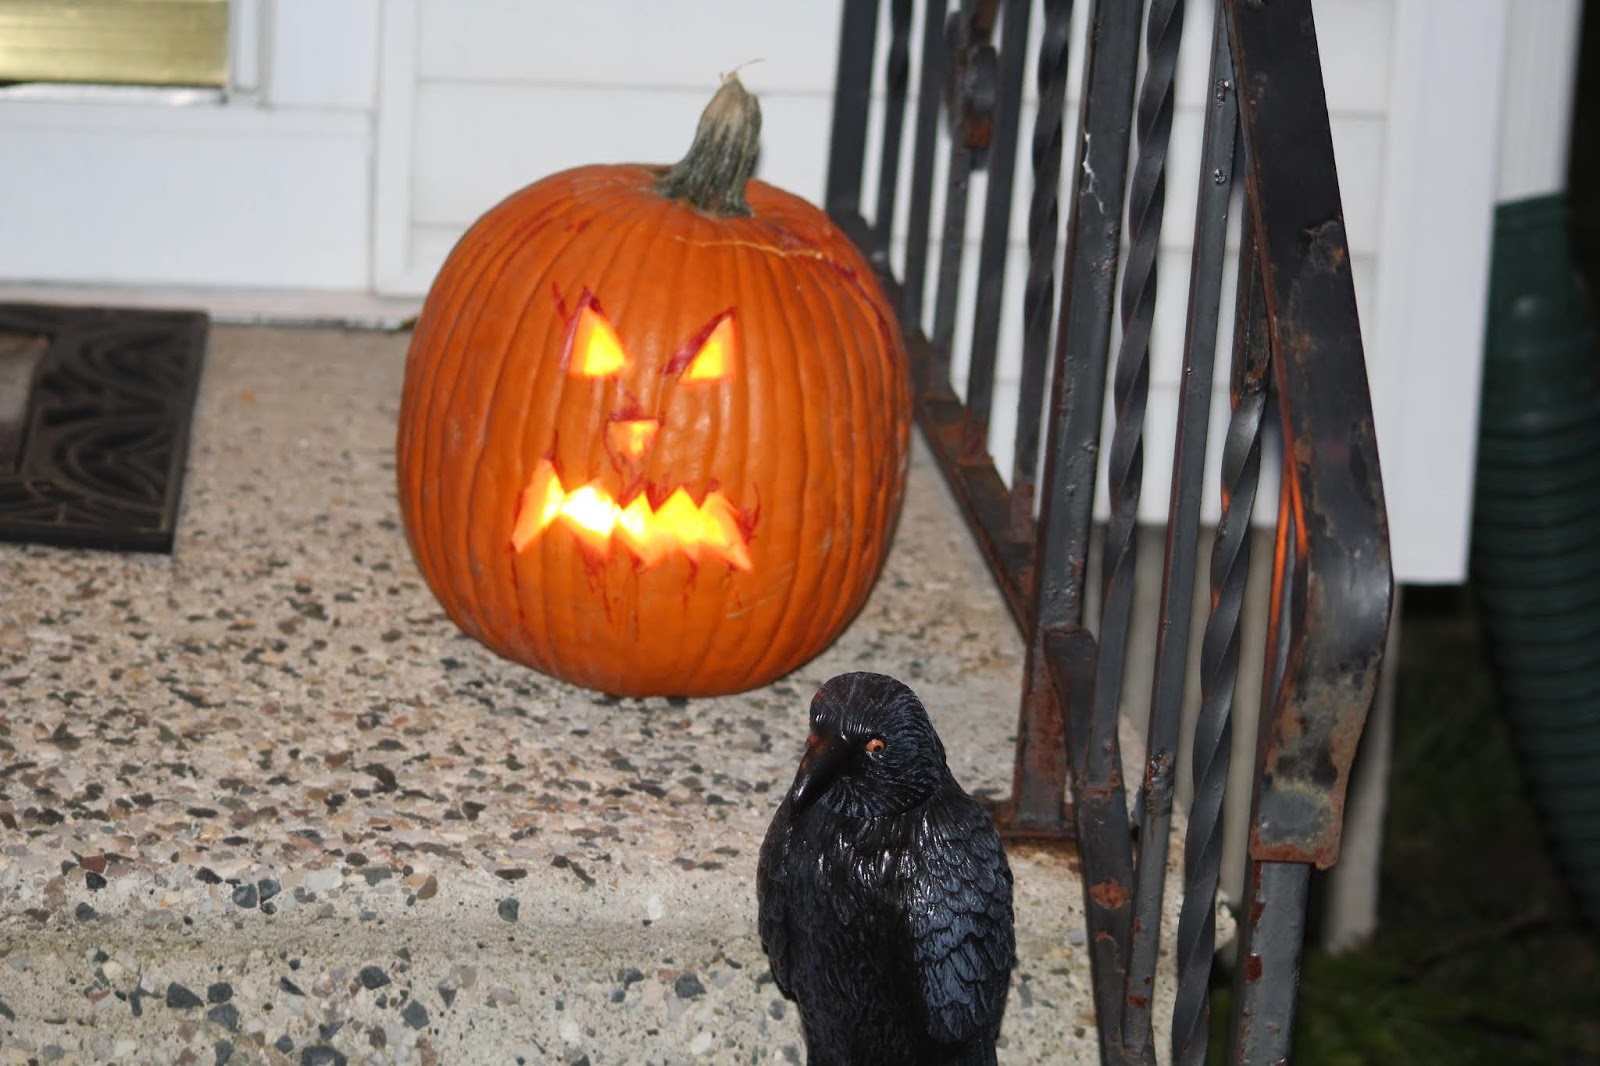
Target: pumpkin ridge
851, 275
883, 504
645, 215
851, 407
780, 276
509, 252
435, 407
808, 249
412, 438
728, 279
796, 244
632, 210
524, 299
660, 479
880, 496
747, 275
739, 419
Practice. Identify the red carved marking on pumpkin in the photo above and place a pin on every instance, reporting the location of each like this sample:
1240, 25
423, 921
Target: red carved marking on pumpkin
657, 493
685, 355
516, 580
586, 299
561, 303
628, 409
553, 457
748, 517
594, 569
789, 239
631, 489
697, 492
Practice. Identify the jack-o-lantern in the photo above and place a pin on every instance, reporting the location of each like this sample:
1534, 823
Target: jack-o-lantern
654, 429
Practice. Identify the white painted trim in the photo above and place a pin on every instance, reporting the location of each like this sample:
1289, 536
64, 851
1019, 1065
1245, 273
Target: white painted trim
134, 113
1426, 361
392, 268
246, 47
71, 92
349, 309
1541, 61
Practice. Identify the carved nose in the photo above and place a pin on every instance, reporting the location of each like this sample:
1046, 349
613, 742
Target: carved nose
627, 439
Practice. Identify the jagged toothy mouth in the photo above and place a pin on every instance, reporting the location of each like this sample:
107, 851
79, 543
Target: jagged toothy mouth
650, 532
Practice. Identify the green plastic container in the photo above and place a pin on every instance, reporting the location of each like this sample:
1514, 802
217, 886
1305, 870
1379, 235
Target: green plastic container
1536, 523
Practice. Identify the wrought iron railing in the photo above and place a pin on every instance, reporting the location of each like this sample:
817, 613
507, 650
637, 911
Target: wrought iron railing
1296, 351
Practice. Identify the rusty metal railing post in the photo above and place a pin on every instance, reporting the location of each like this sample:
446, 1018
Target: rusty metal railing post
1332, 582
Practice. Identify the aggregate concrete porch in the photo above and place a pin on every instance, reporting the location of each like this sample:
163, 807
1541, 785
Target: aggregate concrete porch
261, 802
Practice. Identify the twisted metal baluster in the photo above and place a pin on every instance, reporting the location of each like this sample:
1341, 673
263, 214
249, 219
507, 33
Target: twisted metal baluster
1130, 385
1212, 202
919, 220
897, 71
1219, 661
951, 251
1002, 167
1044, 223
963, 29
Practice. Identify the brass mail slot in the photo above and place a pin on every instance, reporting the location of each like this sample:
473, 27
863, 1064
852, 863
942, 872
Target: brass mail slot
132, 42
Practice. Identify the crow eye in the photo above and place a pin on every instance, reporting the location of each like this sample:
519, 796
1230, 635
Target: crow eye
875, 746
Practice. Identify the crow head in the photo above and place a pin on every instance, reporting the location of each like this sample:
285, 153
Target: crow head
872, 750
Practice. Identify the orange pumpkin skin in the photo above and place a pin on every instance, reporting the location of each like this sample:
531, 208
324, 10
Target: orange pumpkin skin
807, 436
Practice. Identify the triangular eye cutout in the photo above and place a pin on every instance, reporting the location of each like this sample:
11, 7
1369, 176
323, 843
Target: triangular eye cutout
712, 358
593, 348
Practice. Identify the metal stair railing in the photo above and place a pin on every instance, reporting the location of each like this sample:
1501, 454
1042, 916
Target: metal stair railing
1297, 353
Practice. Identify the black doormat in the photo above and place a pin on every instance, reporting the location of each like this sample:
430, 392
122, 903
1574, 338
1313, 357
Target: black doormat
95, 406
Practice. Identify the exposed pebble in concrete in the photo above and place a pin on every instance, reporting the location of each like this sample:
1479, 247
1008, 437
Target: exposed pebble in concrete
415, 1014
180, 998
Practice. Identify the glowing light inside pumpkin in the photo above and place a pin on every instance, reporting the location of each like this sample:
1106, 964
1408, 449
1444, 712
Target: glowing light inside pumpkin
596, 350
715, 358
631, 437
651, 533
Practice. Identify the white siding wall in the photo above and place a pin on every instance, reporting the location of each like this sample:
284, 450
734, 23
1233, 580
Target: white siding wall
359, 139
506, 92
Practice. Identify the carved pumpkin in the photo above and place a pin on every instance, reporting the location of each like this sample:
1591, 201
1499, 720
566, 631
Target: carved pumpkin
654, 428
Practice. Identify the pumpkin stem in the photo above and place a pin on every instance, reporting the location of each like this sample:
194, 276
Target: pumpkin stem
712, 175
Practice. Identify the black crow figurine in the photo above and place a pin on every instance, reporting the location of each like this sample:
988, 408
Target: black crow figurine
885, 898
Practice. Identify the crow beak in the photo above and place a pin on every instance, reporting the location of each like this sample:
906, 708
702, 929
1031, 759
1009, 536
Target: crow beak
824, 760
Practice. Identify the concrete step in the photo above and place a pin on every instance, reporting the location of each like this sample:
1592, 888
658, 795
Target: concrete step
250, 771
572, 972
